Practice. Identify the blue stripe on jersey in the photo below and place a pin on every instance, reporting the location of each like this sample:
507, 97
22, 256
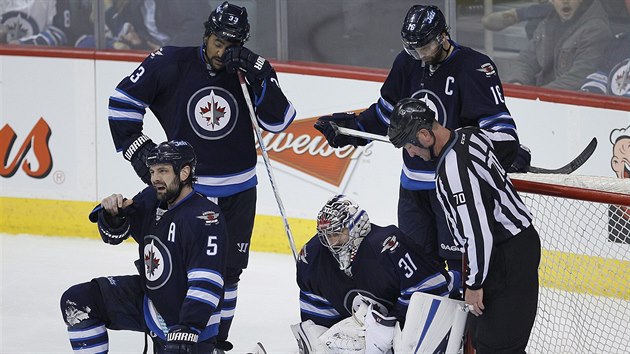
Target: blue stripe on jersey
426, 285
89, 340
485, 122
417, 180
318, 311
226, 190
123, 119
203, 295
289, 116
384, 110
123, 97
315, 297
258, 100
205, 275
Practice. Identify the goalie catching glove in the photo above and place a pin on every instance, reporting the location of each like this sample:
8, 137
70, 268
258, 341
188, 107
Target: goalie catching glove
345, 120
136, 153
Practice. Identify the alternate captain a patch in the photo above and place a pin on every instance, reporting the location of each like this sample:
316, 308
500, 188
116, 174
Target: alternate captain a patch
212, 113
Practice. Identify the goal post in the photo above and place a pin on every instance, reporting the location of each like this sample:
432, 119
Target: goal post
584, 226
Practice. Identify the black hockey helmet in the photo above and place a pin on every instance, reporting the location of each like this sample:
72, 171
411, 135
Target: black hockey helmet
178, 153
422, 25
408, 117
228, 22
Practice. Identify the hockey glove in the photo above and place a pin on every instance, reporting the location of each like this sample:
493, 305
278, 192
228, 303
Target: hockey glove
523, 159
181, 340
256, 68
379, 332
346, 120
137, 153
113, 229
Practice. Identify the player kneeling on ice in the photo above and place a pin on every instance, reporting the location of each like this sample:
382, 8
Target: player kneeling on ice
176, 298
356, 284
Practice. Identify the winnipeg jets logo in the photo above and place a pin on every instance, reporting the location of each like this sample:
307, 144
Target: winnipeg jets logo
152, 261
434, 103
620, 79
488, 69
18, 25
210, 217
390, 244
212, 113
157, 262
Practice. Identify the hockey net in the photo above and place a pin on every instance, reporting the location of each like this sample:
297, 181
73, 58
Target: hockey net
584, 226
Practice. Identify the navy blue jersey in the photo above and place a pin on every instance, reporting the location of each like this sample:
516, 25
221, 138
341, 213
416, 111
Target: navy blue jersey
182, 250
205, 108
464, 90
611, 78
386, 268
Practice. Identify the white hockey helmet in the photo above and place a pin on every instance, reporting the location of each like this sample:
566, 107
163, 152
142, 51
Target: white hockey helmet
338, 215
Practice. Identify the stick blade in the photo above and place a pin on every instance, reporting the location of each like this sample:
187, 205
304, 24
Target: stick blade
573, 165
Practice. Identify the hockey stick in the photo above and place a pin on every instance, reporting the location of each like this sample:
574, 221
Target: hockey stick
265, 156
576, 163
358, 133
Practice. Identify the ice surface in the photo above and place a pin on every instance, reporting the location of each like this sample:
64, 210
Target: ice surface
36, 270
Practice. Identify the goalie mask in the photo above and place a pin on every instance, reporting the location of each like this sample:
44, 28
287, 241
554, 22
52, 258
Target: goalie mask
341, 226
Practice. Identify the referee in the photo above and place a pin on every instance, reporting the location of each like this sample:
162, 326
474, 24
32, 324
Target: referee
487, 217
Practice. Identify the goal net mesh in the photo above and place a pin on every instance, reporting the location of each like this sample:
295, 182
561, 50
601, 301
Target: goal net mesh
584, 226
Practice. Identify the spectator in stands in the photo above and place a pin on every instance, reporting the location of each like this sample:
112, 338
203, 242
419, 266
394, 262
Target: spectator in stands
45, 23
612, 77
533, 14
566, 46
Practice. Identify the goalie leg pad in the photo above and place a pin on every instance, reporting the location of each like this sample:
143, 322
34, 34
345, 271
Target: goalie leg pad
433, 324
307, 334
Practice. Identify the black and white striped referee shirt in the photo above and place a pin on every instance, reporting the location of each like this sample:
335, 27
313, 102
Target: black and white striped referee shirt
481, 205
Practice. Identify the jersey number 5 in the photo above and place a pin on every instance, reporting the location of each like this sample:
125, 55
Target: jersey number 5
212, 246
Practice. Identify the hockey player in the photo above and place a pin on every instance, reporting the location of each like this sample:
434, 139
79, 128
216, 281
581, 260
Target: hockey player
182, 240
353, 269
462, 87
195, 94
487, 217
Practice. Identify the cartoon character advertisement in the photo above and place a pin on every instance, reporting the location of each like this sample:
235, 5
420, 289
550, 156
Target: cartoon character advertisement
619, 216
